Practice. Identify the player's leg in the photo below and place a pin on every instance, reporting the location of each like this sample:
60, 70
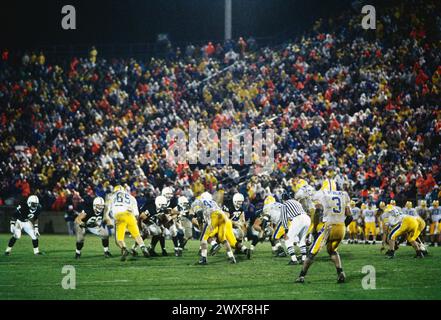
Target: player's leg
29, 229
336, 235
293, 233
174, 235
15, 236
132, 226
321, 239
227, 238
393, 236
121, 226
80, 234
306, 221
204, 244
103, 233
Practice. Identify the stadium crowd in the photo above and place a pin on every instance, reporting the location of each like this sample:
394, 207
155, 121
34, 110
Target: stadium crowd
361, 105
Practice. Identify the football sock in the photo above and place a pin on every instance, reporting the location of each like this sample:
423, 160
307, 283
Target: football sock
303, 252
105, 243
35, 244
339, 270
11, 242
181, 240
230, 254
204, 253
80, 246
292, 253
213, 242
155, 240
252, 247
175, 242
162, 242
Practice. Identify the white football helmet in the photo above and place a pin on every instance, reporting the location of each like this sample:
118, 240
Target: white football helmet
167, 192
33, 203
98, 204
183, 203
238, 200
206, 196
305, 192
161, 203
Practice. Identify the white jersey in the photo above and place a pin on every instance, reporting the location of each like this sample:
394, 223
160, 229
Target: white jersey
207, 207
122, 202
369, 215
304, 196
334, 205
395, 216
410, 212
355, 211
435, 214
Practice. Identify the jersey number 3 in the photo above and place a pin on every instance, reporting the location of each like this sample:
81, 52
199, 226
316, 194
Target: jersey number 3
337, 207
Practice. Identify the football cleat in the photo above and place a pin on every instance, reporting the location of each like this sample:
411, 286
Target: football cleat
176, 253
280, 252
39, 254
107, 254
152, 253
293, 263
77, 255
145, 252
390, 254
419, 254
124, 254
7, 253
164, 253
202, 261
248, 253
215, 249
232, 260
341, 277
300, 280
425, 252
133, 252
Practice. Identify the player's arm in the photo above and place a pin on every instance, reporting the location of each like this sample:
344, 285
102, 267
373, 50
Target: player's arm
14, 218
348, 215
79, 219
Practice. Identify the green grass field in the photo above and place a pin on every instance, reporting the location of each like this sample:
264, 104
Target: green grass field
25, 276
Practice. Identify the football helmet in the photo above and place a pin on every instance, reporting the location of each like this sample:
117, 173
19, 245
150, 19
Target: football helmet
98, 204
352, 203
183, 203
382, 205
423, 203
167, 192
33, 203
435, 203
409, 204
206, 196
238, 200
161, 203
363, 206
118, 188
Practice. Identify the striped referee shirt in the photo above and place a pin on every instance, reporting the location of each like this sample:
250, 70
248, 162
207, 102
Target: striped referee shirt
290, 210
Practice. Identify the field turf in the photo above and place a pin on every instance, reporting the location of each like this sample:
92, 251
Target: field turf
25, 276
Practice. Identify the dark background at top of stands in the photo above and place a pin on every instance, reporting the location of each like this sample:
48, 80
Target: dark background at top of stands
34, 24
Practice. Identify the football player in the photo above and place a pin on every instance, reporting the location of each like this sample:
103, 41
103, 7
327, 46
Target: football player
157, 222
370, 229
409, 210
424, 212
25, 218
335, 205
91, 219
383, 217
184, 221
435, 226
404, 225
269, 224
123, 209
215, 222
353, 226
237, 216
